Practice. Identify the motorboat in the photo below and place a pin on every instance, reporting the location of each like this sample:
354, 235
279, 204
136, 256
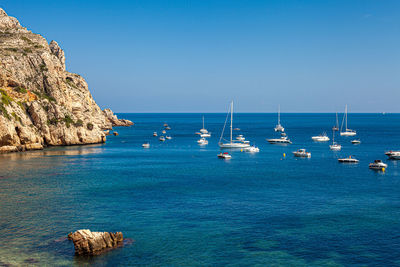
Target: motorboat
281, 140
205, 135
231, 143
349, 159
146, 145
240, 137
164, 131
321, 138
167, 128
302, 153
155, 134
346, 131
393, 154
279, 127
202, 141
168, 137
162, 138
335, 146
224, 155
165, 125
378, 165
251, 149
236, 129
356, 141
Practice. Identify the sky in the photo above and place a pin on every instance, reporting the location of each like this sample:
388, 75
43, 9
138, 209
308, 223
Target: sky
196, 56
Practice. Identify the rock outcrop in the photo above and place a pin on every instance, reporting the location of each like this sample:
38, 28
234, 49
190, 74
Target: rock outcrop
42, 104
87, 242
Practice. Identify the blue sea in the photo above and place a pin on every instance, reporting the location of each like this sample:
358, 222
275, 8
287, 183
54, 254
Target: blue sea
183, 206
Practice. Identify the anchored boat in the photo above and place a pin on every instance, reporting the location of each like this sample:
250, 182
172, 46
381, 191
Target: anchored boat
347, 131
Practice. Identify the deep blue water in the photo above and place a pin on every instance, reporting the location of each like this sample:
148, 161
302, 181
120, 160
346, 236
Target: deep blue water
185, 207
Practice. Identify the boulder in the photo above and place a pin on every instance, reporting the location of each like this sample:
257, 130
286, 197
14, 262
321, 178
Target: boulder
91, 243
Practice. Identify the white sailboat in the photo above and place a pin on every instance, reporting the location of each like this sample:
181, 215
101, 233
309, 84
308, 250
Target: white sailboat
335, 146
336, 127
279, 127
231, 143
347, 131
204, 130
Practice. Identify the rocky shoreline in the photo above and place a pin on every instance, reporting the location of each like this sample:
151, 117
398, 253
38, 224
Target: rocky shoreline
91, 243
41, 103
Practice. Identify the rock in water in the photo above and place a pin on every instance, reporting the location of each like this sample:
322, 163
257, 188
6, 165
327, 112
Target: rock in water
87, 242
41, 103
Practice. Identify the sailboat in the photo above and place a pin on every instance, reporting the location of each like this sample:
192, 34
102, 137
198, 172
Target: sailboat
204, 132
335, 146
336, 127
279, 127
346, 132
231, 143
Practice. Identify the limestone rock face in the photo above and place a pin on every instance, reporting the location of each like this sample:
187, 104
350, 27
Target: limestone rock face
41, 103
87, 242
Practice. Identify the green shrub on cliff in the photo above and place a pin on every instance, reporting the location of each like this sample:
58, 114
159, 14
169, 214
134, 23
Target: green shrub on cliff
5, 98
4, 112
89, 126
78, 123
68, 120
20, 89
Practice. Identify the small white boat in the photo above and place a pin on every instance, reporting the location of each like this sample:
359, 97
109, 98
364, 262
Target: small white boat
240, 137
346, 132
155, 134
146, 145
165, 125
205, 135
335, 147
203, 130
168, 137
356, 142
378, 165
167, 128
321, 138
162, 138
393, 154
302, 153
251, 149
336, 127
279, 127
349, 159
202, 141
231, 143
164, 132
224, 155
236, 129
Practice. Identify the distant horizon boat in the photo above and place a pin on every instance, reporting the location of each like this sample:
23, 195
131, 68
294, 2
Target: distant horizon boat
347, 131
231, 143
204, 132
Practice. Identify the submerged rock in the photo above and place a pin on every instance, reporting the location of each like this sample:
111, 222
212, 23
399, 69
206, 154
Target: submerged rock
87, 242
115, 133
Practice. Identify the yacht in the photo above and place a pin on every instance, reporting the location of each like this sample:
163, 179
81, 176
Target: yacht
251, 149
167, 128
205, 135
224, 155
283, 140
231, 143
349, 159
335, 146
146, 145
279, 127
164, 132
347, 131
356, 141
302, 153
168, 137
155, 134
162, 138
321, 138
240, 137
378, 165
202, 141
165, 125
393, 154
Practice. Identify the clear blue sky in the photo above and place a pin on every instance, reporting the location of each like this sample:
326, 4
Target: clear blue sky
194, 56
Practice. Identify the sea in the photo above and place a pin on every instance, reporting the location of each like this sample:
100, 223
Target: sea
179, 205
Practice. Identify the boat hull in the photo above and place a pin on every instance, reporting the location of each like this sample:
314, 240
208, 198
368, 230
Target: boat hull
348, 133
234, 145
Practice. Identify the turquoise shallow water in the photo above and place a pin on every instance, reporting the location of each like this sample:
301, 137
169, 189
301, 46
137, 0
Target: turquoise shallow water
185, 207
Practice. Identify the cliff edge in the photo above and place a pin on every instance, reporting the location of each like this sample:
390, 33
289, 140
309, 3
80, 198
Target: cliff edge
41, 103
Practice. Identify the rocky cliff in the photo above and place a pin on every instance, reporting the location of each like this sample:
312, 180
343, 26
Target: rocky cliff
41, 103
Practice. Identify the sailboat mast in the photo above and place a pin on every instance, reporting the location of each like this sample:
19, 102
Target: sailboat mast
346, 117
203, 122
231, 119
279, 114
